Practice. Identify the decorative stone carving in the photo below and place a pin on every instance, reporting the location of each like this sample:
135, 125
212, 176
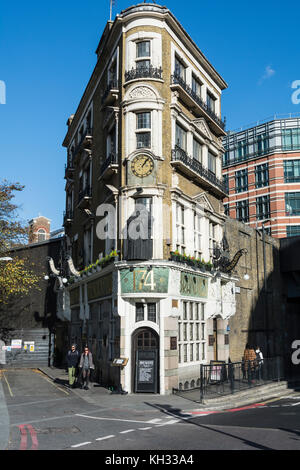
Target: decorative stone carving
142, 92
203, 128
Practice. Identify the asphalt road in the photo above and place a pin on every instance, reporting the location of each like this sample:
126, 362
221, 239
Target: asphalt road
44, 415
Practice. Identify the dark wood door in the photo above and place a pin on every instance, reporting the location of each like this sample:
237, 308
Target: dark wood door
145, 363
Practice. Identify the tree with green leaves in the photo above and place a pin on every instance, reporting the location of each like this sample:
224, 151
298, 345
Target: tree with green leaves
16, 276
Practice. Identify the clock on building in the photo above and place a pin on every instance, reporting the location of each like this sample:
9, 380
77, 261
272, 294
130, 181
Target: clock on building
142, 165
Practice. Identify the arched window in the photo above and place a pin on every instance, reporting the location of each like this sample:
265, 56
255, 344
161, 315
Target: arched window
41, 235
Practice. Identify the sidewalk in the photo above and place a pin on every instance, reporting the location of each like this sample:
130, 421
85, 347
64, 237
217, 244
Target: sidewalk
172, 404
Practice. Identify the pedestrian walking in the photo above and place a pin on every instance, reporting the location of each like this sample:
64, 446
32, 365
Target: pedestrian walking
249, 361
259, 363
72, 364
86, 365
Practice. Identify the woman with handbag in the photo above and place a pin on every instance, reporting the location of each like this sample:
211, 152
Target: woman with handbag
86, 365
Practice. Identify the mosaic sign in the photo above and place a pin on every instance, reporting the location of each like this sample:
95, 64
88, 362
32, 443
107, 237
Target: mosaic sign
193, 285
144, 280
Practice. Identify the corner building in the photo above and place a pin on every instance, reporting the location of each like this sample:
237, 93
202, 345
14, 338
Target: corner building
147, 138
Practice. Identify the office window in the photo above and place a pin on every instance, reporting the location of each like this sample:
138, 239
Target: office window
262, 144
143, 136
179, 68
226, 182
262, 175
211, 159
292, 171
242, 211
192, 334
242, 149
293, 231
197, 150
263, 207
226, 158
226, 208
180, 137
291, 139
292, 204
241, 181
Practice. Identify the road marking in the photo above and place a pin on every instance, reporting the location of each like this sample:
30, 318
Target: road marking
156, 420
23, 444
113, 419
51, 382
295, 404
82, 444
168, 422
33, 435
105, 437
128, 430
11, 393
145, 429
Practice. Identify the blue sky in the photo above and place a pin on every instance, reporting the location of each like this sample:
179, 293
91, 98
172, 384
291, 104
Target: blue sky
47, 54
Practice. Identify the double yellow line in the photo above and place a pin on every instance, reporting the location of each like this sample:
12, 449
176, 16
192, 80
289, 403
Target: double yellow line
8, 386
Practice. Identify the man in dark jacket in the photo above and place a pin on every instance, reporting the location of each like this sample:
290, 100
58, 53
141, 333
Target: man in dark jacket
72, 364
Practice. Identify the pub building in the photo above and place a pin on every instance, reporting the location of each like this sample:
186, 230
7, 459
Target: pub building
146, 140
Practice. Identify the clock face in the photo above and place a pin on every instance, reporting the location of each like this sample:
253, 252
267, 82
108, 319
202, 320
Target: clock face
142, 166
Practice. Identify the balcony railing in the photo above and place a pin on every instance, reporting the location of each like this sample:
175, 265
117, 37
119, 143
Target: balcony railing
85, 193
110, 92
68, 216
143, 72
86, 140
109, 161
177, 80
179, 155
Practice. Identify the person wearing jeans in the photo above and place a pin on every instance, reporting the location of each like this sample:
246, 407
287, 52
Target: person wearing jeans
72, 364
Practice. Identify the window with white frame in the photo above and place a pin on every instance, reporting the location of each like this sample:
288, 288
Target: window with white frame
197, 235
143, 130
212, 238
143, 55
180, 68
149, 309
197, 150
180, 137
180, 228
196, 86
191, 332
211, 162
211, 102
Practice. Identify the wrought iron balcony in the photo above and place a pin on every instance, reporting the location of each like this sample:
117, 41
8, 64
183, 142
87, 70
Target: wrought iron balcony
111, 92
202, 109
85, 141
69, 169
84, 195
143, 72
68, 216
109, 166
196, 170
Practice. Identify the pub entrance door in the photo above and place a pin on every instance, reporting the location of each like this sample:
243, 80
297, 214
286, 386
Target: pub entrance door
145, 342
